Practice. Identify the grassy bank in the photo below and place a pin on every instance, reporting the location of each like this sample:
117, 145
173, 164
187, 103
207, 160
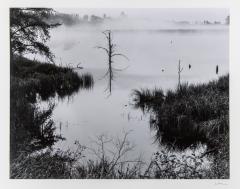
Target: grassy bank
30, 127
46, 79
165, 164
192, 114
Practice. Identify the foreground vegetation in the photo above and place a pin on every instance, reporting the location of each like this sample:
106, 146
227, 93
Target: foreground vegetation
191, 123
165, 164
190, 115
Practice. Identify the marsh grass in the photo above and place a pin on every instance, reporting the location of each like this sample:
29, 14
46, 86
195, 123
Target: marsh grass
44, 165
47, 80
87, 81
108, 165
145, 98
192, 114
111, 164
60, 165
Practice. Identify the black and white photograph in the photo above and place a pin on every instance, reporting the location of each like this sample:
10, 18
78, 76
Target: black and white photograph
119, 93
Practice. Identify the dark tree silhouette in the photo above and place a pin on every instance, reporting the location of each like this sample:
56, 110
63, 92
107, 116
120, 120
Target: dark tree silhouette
29, 31
110, 50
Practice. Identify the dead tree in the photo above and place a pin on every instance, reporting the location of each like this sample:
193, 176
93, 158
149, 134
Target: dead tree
180, 69
111, 52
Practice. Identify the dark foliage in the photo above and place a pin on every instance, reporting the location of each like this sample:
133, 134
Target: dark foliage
29, 31
31, 128
191, 114
47, 80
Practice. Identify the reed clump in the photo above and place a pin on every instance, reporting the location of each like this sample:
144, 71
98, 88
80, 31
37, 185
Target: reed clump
47, 80
192, 114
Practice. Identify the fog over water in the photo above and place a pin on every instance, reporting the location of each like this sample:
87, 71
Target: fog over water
152, 44
155, 14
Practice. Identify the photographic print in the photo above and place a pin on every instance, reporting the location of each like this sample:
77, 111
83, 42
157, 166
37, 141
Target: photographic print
119, 93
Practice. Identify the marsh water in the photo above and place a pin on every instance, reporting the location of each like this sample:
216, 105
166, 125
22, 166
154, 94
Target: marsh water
153, 59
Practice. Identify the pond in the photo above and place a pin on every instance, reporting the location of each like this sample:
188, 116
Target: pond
153, 59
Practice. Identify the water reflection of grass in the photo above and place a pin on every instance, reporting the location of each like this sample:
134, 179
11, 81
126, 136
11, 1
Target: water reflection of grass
47, 80
30, 127
189, 115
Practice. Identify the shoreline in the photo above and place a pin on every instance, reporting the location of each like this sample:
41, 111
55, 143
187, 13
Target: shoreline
29, 85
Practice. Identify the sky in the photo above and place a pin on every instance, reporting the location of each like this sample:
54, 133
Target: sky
178, 14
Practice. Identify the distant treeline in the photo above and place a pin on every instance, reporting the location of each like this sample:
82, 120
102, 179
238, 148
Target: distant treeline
73, 19
204, 22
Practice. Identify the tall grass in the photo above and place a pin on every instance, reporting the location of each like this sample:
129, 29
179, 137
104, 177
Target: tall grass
145, 98
48, 80
191, 114
43, 165
87, 81
110, 163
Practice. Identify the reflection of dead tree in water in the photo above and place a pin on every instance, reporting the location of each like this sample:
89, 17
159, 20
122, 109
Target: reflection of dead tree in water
110, 50
180, 69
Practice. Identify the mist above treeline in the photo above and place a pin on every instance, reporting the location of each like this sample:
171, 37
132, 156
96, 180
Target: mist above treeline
72, 19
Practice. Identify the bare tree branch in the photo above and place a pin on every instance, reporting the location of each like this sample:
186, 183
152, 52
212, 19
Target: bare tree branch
103, 49
119, 54
110, 50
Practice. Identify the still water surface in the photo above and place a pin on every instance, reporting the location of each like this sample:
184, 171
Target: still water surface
91, 112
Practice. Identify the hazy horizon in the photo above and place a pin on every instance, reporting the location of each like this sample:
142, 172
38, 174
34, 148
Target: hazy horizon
164, 14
